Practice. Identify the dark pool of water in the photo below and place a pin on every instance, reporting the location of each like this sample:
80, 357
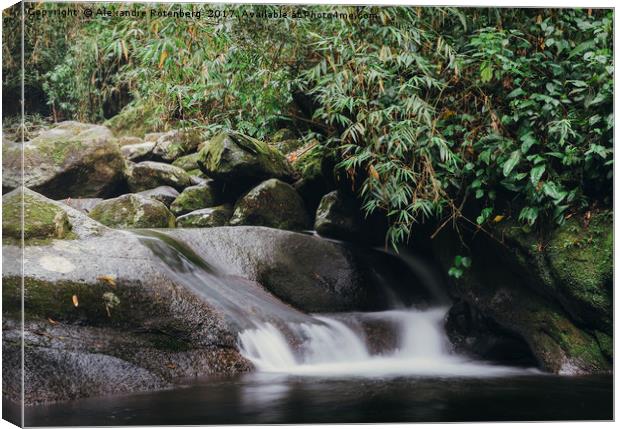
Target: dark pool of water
266, 398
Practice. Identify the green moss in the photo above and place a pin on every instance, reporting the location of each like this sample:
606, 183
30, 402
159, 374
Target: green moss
43, 299
582, 260
43, 221
606, 343
58, 149
194, 198
133, 211
188, 163
235, 154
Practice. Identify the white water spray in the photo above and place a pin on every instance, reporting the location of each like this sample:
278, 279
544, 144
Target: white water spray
331, 348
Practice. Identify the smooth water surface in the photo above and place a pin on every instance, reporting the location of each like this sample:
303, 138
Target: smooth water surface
276, 398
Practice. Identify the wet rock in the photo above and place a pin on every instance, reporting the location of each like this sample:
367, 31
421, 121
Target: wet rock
338, 216
194, 198
133, 211
206, 218
176, 143
240, 160
138, 152
471, 333
163, 194
149, 174
273, 203
80, 342
70, 160
310, 273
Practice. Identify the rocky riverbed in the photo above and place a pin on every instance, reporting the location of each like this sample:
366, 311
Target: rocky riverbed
105, 314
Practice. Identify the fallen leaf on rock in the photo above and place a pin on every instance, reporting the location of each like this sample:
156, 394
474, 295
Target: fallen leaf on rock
109, 279
52, 321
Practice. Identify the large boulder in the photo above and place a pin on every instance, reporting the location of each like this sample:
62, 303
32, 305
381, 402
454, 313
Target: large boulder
273, 203
195, 197
70, 160
163, 194
240, 160
133, 211
512, 284
149, 174
310, 273
338, 216
176, 143
206, 218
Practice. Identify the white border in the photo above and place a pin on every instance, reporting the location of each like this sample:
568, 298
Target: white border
480, 3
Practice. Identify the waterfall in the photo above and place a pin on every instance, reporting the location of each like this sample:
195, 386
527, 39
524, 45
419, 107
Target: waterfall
331, 348
277, 338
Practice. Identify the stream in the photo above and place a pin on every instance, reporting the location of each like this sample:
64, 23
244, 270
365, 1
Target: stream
324, 368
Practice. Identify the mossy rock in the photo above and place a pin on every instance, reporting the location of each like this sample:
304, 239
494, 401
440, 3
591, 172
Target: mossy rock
149, 174
504, 293
206, 218
188, 163
581, 259
194, 198
70, 160
176, 143
241, 160
133, 211
273, 203
42, 220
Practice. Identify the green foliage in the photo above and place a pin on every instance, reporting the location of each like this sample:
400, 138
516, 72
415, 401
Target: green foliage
461, 263
428, 110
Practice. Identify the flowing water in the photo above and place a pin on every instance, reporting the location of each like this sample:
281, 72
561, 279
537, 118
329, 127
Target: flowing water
333, 368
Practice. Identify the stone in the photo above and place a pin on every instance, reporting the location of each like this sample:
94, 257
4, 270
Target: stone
82, 204
41, 219
71, 159
206, 218
176, 143
163, 194
241, 160
194, 198
138, 152
272, 203
188, 162
129, 140
338, 216
133, 211
147, 175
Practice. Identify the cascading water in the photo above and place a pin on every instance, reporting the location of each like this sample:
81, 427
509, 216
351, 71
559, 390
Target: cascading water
331, 348
278, 338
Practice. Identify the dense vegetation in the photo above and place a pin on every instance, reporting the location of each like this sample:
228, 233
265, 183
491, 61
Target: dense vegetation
428, 111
